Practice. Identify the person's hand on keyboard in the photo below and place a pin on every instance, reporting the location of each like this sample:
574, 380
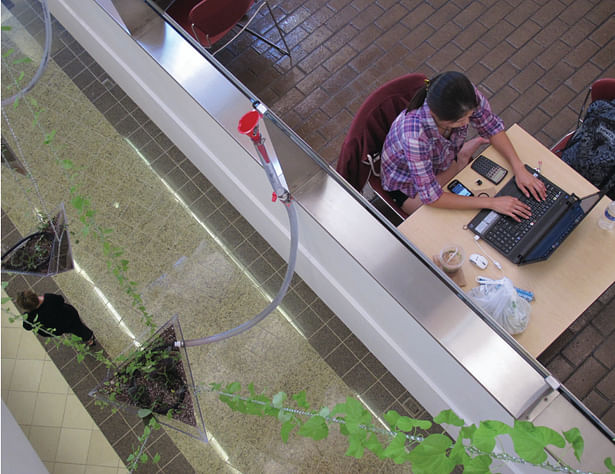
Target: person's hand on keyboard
530, 185
511, 206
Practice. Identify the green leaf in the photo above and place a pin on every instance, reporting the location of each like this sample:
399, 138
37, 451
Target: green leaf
300, 400
391, 418
608, 462
6, 28
574, 437
156, 458
9, 52
324, 411
397, 443
253, 408
287, 428
355, 444
396, 450
477, 465
144, 412
315, 428
448, 417
77, 202
467, 432
23, 60
374, 445
49, 137
233, 387
430, 457
484, 436
405, 423
529, 440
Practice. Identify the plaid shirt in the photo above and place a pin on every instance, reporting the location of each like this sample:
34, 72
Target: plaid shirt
414, 151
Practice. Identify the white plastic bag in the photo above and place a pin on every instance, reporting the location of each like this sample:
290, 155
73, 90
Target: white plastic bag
500, 300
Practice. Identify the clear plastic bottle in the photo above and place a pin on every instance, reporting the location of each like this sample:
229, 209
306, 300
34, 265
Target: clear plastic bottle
607, 220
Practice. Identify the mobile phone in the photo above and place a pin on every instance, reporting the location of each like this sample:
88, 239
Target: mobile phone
489, 169
457, 187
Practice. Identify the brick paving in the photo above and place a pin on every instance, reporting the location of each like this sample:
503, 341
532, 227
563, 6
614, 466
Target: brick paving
533, 59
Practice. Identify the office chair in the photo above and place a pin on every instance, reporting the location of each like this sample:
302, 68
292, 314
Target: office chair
359, 159
601, 89
209, 21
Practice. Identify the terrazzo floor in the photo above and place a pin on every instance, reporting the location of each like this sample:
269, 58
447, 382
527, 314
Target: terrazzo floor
189, 252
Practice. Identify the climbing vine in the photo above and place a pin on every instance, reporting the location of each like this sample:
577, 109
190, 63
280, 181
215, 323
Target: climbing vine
404, 441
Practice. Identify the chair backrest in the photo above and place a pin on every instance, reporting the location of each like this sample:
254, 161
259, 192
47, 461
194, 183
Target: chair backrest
603, 89
214, 18
371, 124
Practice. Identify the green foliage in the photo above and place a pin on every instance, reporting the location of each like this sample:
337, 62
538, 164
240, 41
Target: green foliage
86, 216
574, 437
449, 417
432, 455
406, 441
137, 456
530, 441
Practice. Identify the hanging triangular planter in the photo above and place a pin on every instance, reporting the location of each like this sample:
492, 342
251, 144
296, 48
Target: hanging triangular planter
157, 377
46, 252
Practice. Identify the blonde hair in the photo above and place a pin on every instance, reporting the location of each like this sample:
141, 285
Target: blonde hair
28, 300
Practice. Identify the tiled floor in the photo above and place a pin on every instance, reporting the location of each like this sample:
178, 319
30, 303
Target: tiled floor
127, 164
51, 416
533, 59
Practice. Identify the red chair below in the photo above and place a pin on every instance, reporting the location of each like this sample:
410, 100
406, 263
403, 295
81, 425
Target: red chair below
359, 160
603, 89
208, 21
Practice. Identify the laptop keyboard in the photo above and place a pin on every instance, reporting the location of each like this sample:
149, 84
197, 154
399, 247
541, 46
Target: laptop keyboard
505, 233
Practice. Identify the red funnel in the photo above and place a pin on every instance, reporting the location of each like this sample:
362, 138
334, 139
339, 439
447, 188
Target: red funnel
248, 124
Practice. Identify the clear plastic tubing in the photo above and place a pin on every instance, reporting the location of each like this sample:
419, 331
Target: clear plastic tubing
294, 243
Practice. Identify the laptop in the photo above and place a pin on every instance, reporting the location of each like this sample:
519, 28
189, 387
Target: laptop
534, 239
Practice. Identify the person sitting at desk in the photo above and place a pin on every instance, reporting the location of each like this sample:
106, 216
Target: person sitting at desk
426, 147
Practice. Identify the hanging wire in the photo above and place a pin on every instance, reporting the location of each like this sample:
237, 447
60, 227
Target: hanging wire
44, 59
24, 162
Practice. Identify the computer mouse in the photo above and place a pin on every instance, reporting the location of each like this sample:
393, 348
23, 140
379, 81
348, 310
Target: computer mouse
478, 260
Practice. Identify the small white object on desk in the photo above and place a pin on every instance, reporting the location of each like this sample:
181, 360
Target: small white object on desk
478, 260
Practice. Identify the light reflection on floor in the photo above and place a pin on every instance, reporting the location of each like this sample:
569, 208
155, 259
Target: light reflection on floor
181, 267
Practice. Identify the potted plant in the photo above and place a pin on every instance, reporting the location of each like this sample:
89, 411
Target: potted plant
45, 252
156, 378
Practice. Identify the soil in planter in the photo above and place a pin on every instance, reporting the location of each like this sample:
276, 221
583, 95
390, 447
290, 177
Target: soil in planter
34, 254
158, 384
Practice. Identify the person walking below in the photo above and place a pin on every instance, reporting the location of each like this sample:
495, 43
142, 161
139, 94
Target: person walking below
54, 315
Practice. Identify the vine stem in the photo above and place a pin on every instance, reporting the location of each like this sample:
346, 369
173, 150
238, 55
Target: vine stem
470, 449
136, 459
